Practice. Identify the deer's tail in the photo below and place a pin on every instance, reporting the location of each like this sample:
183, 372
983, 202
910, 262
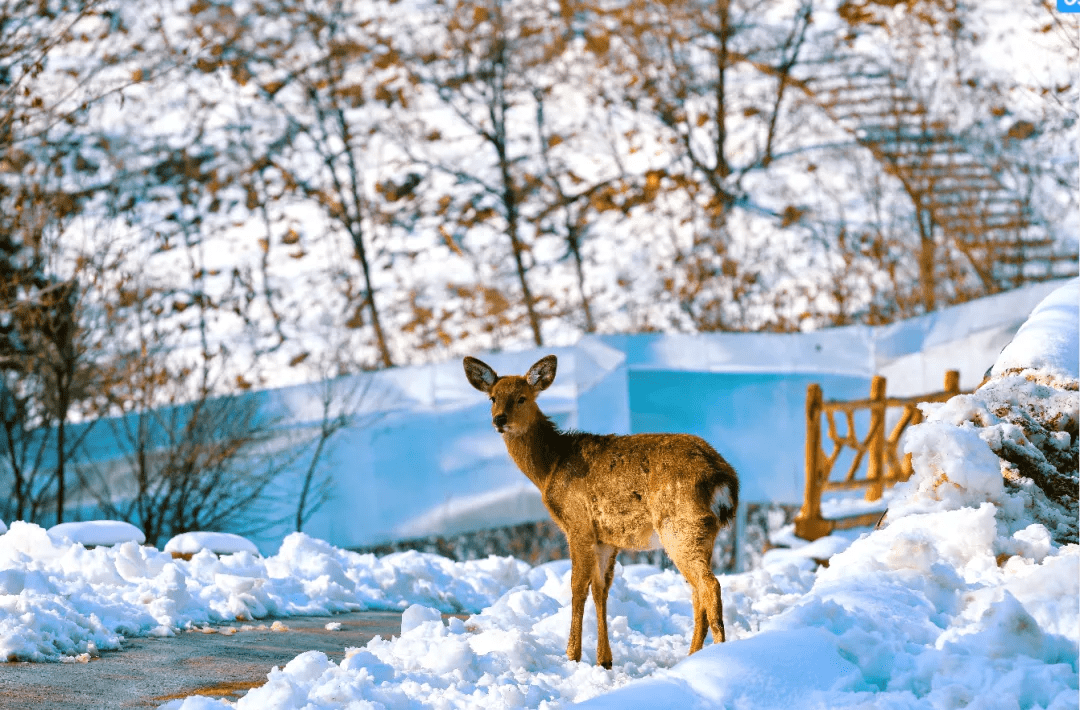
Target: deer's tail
725, 497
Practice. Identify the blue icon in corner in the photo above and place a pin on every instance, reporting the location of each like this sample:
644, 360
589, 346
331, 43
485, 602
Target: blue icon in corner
1068, 5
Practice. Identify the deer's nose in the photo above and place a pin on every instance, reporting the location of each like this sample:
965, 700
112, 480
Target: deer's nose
499, 420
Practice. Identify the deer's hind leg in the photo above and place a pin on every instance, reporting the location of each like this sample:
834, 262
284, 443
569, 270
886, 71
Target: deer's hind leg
603, 573
689, 543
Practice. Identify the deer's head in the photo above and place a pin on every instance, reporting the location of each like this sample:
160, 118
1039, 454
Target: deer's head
513, 397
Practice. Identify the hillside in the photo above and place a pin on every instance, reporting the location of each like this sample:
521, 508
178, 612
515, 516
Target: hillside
269, 192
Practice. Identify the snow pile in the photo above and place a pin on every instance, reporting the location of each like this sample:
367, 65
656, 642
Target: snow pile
97, 532
190, 543
1049, 340
513, 654
59, 599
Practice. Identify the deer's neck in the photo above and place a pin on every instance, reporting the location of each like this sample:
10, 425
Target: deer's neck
536, 450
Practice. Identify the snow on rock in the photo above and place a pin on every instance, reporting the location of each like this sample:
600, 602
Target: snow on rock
1050, 338
97, 532
190, 543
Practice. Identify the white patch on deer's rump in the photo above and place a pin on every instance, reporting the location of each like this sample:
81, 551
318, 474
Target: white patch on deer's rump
721, 500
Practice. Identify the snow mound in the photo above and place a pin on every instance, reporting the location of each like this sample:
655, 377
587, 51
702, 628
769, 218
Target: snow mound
97, 532
1050, 338
190, 543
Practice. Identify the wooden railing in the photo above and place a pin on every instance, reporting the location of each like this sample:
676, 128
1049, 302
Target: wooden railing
878, 449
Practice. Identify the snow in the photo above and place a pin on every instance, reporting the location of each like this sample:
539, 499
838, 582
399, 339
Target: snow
190, 543
967, 596
1048, 339
57, 598
97, 532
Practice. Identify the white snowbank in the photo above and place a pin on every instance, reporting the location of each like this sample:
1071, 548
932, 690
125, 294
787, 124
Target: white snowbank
97, 532
513, 654
190, 543
59, 599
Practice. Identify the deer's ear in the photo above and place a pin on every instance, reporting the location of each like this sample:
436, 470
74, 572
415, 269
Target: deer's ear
479, 374
542, 374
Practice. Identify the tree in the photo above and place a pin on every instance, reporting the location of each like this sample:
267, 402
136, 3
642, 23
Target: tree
481, 69
344, 402
185, 457
311, 81
676, 63
48, 175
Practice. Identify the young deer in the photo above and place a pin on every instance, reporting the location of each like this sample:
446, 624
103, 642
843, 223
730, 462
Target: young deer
609, 492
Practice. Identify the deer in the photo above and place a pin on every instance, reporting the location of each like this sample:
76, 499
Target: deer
610, 492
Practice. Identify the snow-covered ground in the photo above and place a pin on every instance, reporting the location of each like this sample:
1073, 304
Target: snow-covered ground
967, 597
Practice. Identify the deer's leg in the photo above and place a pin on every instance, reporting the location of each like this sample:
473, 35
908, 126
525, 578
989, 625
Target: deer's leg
689, 543
582, 561
701, 622
602, 574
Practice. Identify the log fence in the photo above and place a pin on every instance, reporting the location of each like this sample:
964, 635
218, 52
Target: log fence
879, 449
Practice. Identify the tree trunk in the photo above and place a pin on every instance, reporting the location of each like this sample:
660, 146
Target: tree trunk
723, 8
497, 111
927, 258
369, 294
573, 240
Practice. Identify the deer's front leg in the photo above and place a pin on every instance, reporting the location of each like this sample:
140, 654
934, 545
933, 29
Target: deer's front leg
603, 573
582, 561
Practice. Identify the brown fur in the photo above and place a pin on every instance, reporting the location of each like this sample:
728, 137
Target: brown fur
610, 492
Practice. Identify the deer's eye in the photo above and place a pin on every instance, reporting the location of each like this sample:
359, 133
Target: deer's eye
521, 400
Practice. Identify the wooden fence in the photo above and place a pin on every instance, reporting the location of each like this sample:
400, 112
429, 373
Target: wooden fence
878, 449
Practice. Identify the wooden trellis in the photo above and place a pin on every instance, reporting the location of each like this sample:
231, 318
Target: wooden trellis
878, 449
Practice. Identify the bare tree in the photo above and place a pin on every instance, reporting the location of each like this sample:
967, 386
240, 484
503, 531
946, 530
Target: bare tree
345, 402
184, 457
480, 70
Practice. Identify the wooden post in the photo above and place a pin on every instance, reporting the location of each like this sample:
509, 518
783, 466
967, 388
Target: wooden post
952, 382
808, 523
875, 444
